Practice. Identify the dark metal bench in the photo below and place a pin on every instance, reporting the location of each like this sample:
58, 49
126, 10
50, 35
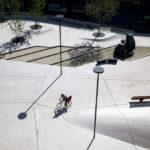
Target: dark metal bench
141, 98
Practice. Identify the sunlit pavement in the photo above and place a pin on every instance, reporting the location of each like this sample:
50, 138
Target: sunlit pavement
35, 89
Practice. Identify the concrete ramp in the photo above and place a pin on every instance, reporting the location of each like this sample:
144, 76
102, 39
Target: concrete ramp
123, 123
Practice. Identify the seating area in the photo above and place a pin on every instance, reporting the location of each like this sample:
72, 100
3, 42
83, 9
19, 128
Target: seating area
126, 48
141, 98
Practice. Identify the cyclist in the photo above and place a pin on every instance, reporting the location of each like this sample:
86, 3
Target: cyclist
65, 98
68, 100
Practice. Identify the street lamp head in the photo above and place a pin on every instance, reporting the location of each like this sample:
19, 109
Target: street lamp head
60, 16
98, 69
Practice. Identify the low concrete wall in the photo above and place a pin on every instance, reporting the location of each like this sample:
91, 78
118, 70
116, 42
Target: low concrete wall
77, 22
120, 30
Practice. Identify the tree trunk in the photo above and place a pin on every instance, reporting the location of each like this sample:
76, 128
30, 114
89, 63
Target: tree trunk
98, 34
36, 22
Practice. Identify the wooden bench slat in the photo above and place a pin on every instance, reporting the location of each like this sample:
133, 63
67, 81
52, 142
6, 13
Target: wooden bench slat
140, 97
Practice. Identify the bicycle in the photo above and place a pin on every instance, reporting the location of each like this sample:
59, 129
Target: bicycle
62, 102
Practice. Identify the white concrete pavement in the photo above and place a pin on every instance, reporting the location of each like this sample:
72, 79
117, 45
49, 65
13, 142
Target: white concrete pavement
36, 88
48, 35
72, 35
22, 84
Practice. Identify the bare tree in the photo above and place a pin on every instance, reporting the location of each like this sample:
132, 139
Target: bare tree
15, 22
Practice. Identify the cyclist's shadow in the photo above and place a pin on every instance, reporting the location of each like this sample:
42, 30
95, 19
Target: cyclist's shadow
59, 112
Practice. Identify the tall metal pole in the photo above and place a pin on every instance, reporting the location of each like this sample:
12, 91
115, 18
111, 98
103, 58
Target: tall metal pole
60, 47
60, 17
97, 70
96, 105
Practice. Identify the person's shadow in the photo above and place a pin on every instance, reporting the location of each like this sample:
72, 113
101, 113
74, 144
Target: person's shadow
59, 112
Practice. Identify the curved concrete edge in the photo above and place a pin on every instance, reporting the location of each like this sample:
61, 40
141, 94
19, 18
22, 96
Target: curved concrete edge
123, 123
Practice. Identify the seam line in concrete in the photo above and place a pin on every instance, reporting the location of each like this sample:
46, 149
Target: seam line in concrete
125, 80
127, 123
10, 102
22, 75
44, 80
36, 130
42, 105
79, 78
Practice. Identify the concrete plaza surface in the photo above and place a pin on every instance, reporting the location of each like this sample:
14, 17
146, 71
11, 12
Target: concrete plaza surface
48, 35
36, 88
72, 35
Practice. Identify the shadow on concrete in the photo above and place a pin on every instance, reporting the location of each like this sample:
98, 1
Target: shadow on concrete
139, 104
23, 115
107, 39
90, 144
96, 34
3, 26
35, 27
87, 43
12, 46
84, 53
59, 112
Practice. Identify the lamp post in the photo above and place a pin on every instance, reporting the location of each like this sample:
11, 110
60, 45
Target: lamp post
60, 16
97, 70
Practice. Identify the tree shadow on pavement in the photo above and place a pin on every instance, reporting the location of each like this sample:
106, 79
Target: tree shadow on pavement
107, 39
84, 55
12, 46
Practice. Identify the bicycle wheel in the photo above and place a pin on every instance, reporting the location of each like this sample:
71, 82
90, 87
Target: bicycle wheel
69, 105
59, 105
60, 99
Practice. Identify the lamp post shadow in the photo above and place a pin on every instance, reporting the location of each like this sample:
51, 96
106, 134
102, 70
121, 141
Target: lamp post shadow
23, 115
90, 143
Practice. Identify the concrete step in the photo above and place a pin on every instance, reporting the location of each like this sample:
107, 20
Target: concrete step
23, 52
52, 57
36, 54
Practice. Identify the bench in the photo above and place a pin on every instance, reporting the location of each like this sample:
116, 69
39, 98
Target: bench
141, 98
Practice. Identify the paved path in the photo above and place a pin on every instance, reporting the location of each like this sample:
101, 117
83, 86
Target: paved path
36, 88
23, 83
49, 36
